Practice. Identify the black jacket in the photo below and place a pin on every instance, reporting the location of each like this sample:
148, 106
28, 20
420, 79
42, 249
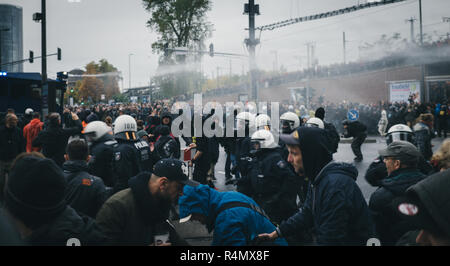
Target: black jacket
102, 160
333, 136
335, 210
53, 141
388, 225
85, 193
126, 164
274, 185
69, 224
355, 129
12, 143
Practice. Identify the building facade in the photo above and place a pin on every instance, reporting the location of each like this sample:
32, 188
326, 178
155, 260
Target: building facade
11, 37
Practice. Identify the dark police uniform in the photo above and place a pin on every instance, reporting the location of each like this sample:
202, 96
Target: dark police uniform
273, 185
102, 160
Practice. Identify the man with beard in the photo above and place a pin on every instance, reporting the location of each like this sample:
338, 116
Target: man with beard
138, 215
335, 211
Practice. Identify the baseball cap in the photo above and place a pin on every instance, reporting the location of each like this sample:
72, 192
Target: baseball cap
175, 170
427, 204
404, 151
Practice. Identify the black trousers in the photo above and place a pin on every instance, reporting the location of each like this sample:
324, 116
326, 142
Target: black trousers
356, 144
228, 166
442, 126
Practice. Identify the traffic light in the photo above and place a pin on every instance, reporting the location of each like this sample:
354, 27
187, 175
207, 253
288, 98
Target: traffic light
211, 50
59, 54
62, 75
71, 90
31, 58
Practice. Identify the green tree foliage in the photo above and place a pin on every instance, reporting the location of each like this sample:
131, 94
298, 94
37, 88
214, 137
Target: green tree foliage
90, 88
178, 23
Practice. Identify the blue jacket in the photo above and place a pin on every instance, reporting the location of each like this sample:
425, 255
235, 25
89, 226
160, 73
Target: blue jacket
236, 226
335, 210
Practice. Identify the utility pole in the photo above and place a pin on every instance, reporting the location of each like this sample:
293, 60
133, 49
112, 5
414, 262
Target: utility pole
422, 67
45, 98
411, 20
344, 42
252, 10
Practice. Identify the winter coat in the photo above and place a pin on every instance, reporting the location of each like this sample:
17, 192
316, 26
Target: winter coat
355, 129
85, 193
12, 143
53, 141
388, 225
30, 132
69, 224
274, 186
102, 159
423, 135
335, 209
133, 216
236, 226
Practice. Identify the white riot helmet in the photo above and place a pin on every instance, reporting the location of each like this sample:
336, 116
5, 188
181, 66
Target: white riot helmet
262, 139
289, 121
125, 127
399, 132
262, 121
96, 130
29, 111
245, 120
315, 122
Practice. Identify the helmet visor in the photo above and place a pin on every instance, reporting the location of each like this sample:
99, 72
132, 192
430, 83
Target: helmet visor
255, 146
286, 126
396, 136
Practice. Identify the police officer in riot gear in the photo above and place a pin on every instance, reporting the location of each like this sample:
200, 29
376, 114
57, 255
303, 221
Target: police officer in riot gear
262, 121
132, 155
102, 147
315, 122
273, 184
245, 123
377, 170
289, 121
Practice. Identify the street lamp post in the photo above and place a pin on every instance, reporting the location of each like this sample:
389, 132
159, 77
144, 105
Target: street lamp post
129, 70
1, 30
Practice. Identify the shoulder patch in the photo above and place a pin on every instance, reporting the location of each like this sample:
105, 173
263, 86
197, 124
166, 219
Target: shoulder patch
117, 156
282, 164
86, 182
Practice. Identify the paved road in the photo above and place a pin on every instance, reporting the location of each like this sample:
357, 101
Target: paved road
196, 234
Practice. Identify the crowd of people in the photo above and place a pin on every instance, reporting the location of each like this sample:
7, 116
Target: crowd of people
114, 175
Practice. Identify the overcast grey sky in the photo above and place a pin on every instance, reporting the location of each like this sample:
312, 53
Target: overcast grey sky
89, 30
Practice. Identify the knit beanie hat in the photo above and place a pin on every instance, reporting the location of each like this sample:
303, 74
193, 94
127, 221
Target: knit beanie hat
35, 192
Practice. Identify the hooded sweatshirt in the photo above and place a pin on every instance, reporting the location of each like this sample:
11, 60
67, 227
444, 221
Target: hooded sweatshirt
236, 226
